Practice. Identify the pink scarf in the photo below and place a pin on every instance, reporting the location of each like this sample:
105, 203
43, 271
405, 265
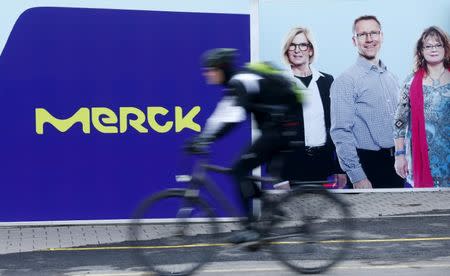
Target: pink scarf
421, 163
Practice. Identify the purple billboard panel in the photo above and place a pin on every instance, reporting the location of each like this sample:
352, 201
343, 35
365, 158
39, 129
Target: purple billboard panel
96, 105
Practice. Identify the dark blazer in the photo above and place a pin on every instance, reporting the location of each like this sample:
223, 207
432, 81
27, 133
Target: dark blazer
324, 84
299, 165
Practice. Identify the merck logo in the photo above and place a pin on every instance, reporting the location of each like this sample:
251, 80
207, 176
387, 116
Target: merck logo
105, 120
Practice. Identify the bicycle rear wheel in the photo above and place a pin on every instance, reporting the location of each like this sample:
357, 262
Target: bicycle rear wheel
183, 242
311, 230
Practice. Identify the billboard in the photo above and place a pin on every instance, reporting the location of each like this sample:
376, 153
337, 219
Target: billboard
97, 103
98, 97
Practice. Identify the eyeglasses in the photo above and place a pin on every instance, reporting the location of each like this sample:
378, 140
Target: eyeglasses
372, 34
430, 47
301, 46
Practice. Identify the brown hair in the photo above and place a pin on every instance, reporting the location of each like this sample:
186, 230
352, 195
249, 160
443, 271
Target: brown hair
290, 37
365, 17
437, 33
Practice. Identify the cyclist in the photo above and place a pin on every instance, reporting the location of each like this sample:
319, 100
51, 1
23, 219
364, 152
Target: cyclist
261, 90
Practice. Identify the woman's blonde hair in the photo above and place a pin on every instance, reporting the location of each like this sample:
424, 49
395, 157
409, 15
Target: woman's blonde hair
290, 37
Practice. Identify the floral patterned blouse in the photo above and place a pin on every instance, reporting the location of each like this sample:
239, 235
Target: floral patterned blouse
437, 127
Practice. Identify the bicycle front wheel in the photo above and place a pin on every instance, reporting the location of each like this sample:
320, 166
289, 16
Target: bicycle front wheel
311, 230
178, 244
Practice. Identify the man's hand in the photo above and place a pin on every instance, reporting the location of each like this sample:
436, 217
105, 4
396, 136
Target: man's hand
363, 184
341, 180
401, 166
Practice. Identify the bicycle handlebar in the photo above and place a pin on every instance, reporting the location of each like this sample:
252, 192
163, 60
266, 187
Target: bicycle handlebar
216, 168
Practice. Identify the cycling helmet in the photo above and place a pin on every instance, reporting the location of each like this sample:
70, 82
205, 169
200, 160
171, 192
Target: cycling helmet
222, 58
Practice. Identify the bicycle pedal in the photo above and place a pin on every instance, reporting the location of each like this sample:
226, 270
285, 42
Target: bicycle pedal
253, 246
278, 217
244, 237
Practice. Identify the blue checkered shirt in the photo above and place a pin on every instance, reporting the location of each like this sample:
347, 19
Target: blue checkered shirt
363, 104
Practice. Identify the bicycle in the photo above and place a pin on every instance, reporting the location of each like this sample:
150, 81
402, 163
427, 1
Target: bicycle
287, 228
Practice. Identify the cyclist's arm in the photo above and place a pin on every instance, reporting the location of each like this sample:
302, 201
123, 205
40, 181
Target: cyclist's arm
226, 115
232, 109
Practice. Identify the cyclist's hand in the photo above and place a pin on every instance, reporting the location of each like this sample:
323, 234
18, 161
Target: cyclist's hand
197, 146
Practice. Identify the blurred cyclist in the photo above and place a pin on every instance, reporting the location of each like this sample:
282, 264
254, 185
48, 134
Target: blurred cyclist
259, 89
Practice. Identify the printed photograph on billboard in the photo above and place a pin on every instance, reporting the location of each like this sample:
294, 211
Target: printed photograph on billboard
355, 62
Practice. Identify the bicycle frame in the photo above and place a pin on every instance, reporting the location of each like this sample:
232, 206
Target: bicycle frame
200, 179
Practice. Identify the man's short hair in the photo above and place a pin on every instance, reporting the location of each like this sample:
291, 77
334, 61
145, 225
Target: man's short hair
365, 17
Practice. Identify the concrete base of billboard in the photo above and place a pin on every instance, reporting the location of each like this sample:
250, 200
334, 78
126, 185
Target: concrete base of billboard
34, 237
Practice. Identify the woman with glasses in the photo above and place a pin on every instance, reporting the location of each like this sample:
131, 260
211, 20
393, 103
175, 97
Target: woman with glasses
316, 159
422, 119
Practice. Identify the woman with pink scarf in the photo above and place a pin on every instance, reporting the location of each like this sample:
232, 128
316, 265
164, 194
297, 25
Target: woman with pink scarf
422, 119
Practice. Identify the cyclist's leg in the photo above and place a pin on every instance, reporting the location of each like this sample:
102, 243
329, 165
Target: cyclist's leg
258, 153
262, 150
